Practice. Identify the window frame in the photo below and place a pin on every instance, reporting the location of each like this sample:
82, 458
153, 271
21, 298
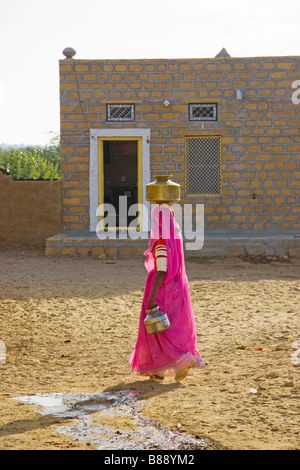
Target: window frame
203, 119
110, 106
189, 194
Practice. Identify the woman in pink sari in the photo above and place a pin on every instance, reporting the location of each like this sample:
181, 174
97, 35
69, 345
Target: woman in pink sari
174, 351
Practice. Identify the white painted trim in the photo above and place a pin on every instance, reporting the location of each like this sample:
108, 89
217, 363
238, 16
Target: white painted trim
94, 134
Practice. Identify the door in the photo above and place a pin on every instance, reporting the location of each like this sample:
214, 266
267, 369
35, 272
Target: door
119, 175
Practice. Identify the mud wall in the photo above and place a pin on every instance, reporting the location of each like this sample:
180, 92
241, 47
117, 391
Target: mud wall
30, 211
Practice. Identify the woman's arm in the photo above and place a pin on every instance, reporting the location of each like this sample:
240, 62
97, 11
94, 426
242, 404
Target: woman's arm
157, 283
161, 262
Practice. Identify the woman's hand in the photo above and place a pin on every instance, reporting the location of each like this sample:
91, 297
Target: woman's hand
151, 301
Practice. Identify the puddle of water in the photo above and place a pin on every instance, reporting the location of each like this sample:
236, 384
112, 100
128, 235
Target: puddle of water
147, 434
72, 405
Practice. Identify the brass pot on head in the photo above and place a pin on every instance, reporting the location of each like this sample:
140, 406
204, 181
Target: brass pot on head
163, 190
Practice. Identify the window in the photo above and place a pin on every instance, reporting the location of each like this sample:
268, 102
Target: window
203, 166
120, 112
203, 112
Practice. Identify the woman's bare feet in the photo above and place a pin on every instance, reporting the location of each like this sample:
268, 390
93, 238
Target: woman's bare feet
156, 378
182, 373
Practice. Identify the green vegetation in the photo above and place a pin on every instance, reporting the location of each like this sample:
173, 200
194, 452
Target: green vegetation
32, 163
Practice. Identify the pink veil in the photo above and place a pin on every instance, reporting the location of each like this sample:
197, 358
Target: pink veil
164, 226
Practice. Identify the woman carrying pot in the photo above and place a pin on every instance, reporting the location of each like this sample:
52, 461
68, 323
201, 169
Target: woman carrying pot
172, 352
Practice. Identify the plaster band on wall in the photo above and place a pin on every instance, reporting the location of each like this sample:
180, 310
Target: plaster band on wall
94, 175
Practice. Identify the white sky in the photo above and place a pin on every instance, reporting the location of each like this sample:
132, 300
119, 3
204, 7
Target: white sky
33, 34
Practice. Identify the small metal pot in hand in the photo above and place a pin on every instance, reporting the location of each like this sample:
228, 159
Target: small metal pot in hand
156, 321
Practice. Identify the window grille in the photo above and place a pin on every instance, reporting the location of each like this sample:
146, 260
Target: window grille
120, 112
203, 166
203, 112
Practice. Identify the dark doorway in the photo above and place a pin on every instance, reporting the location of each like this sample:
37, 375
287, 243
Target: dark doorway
120, 166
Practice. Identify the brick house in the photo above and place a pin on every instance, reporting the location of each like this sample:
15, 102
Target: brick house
226, 128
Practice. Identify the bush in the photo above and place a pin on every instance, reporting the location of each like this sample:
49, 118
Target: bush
32, 163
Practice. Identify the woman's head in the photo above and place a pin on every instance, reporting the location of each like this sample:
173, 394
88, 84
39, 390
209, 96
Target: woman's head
163, 224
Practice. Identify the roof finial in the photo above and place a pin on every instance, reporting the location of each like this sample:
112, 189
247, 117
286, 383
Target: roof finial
223, 53
69, 52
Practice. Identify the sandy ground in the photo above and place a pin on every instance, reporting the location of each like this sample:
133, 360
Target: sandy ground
69, 326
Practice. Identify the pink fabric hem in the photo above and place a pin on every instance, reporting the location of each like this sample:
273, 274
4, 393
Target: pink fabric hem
171, 370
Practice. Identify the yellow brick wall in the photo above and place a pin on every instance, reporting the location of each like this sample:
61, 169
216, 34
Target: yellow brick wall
260, 133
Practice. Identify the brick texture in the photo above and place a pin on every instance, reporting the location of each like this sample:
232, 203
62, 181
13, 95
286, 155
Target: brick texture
260, 133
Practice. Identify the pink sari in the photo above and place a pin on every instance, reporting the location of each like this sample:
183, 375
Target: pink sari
164, 354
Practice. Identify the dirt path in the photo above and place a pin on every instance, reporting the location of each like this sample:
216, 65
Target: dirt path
69, 325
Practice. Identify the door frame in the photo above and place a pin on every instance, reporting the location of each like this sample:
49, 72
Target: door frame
97, 136
139, 169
